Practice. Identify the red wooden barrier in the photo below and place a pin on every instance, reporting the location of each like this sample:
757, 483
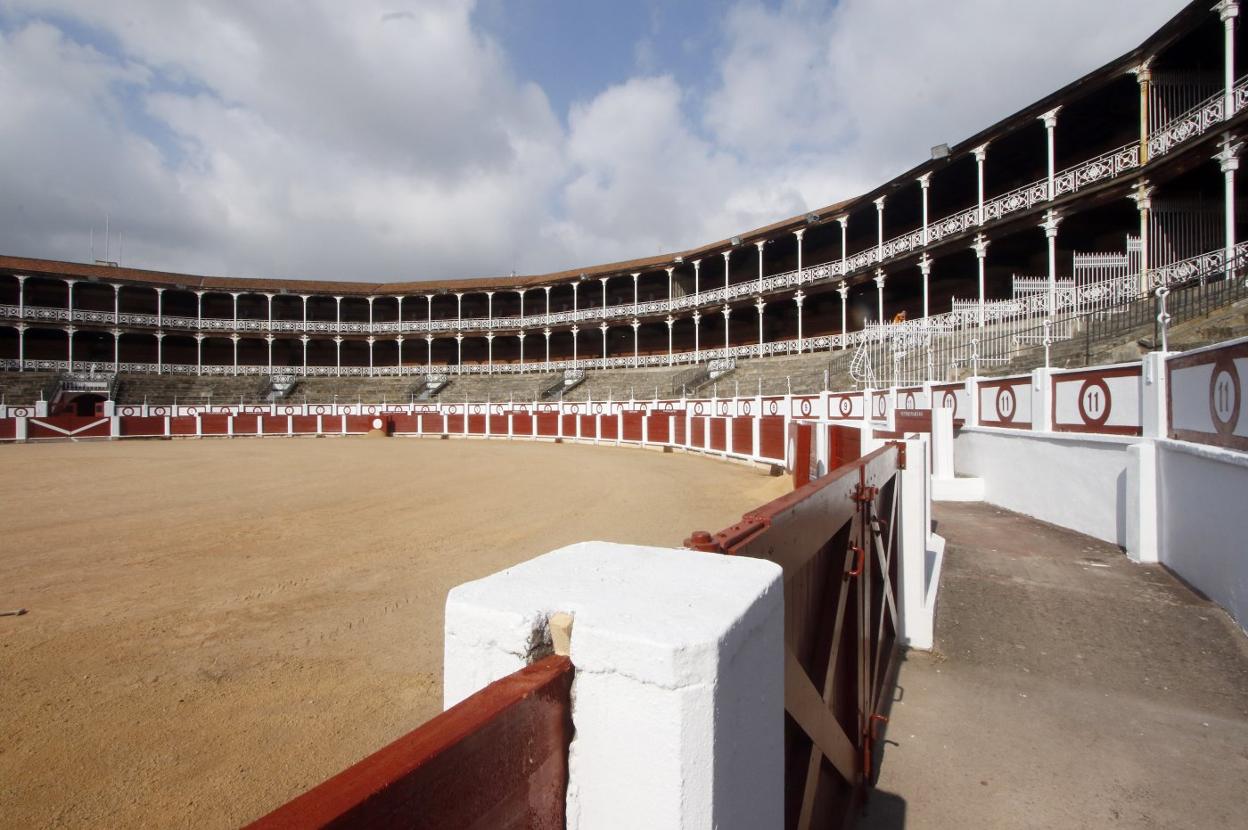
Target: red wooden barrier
454, 424
68, 426
771, 438
569, 425
183, 425
658, 428
697, 427
274, 424
610, 428
8, 429
632, 426
743, 435
521, 423
246, 424
432, 424
719, 434
844, 446
137, 425
548, 424
497, 760
589, 427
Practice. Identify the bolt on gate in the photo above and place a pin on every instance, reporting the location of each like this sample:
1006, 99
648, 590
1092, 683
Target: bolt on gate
836, 539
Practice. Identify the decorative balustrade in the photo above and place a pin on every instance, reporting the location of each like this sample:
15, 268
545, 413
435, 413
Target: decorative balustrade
1198, 267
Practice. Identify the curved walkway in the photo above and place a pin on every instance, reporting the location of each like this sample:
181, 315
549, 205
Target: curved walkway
1069, 688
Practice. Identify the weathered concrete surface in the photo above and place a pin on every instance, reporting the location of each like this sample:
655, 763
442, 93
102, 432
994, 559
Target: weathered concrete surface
1069, 688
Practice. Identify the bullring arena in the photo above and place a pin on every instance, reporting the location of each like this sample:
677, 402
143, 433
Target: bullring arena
922, 509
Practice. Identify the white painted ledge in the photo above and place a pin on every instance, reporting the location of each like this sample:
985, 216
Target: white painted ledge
957, 489
678, 702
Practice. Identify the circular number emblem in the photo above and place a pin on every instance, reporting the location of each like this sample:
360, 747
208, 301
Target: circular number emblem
805, 407
1007, 404
1094, 402
1224, 396
377, 422
846, 407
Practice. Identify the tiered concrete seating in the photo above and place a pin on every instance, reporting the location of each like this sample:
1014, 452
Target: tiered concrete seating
350, 389
25, 387
495, 387
164, 389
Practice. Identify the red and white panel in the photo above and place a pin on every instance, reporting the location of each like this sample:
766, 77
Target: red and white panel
1005, 403
1102, 400
1207, 390
879, 406
744, 407
846, 406
951, 396
700, 408
806, 406
913, 398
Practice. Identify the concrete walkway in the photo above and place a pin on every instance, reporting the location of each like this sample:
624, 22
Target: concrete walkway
1069, 688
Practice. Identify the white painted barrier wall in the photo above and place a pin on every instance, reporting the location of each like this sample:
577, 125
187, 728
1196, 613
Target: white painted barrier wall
1202, 500
1072, 480
678, 701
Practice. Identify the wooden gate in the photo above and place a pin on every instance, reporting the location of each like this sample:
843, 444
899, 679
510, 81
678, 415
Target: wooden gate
836, 540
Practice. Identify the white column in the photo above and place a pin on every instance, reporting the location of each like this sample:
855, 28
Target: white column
1144, 204
635, 276
1051, 220
199, 353
429, 311
879, 293
843, 290
337, 355
235, 295
603, 328
199, 309
925, 183
399, 319
697, 277
546, 288
799, 233
428, 352
1228, 159
234, 340
21, 347
116, 305
160, 308
370, 313
1228, 10
547, 333
879, 229
116, 350
268, 338
727, 256
337, 314
489, 309
981, 153
521, 293
670, 322
981, 250
304, 297
269, 323
69, 298
459, 310
1144, 76
669, 287
489, 352
521, 337
603, 280
843, 221
21, 297
925, 268
303, 338
799, 298
576, 300
1050, 124
636, 324
697, 336
459, 352
760, 306
576, 338
370, 340
160, 352
727, 313
399, 342
759, 244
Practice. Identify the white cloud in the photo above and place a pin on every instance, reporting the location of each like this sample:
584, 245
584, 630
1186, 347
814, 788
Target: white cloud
393, 140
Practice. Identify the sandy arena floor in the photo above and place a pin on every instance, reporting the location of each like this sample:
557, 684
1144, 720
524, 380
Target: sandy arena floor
217, 625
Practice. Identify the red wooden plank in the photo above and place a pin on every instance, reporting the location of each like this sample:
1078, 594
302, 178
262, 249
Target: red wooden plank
632, 426
743, 435
497, 760
771, 438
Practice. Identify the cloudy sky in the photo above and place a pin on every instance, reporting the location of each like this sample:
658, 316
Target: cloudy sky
418, 139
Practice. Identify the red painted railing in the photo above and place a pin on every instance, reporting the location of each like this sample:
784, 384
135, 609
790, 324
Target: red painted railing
496, 760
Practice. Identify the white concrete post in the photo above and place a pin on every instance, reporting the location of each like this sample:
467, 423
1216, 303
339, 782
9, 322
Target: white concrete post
799, 298
879, 229
636, 324
925, 268
697, 336
1154, 413
879, 295
635, 278
1228, 10
727, 255
799, 233
727, 312
1042, 399
1228, 159
659, 692
843, 221
670, 322
760, 305
759, 244
917, 588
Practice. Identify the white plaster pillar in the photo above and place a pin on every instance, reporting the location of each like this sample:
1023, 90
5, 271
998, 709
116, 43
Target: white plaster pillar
116, 304
489, 347
727, 312
657, 698
546, 332
636, 324
199, 353
799, 298
234, 340
925, 268
268, 338
116, 350
1142, 196
160, 352
303, 338
981, 153
799, 233
635, 277
697, 279
1050, 124
576, 336
1051, 220
603, 328
338, 356
981, 251
69, 346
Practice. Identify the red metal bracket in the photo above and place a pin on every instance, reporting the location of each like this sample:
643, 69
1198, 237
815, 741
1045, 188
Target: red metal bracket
860, 557
702, 540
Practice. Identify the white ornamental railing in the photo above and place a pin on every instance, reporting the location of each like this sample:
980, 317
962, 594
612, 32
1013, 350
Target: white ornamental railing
1197, 120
